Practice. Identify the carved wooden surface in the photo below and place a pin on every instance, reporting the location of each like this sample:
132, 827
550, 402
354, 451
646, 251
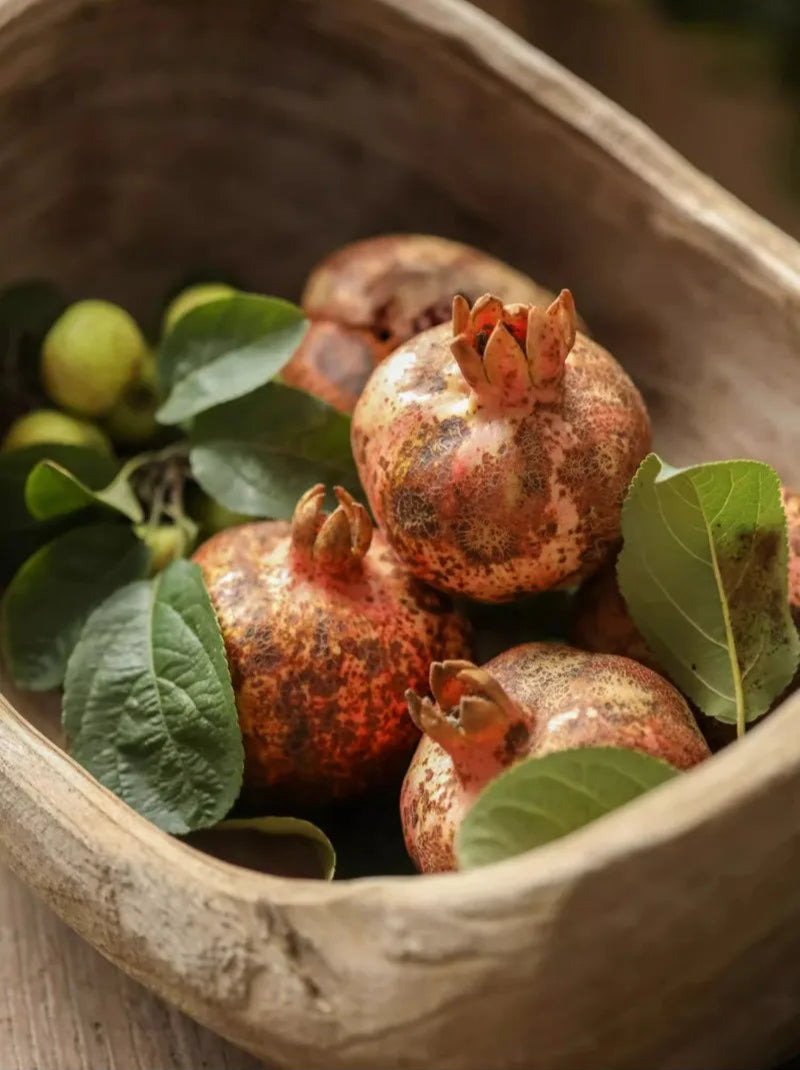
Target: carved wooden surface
165, 136
62, 1005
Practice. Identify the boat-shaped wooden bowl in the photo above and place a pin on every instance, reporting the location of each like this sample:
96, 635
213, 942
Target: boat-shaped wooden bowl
139, 137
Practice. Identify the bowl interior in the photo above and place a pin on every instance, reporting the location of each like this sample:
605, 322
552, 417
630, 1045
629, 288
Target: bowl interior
142, 142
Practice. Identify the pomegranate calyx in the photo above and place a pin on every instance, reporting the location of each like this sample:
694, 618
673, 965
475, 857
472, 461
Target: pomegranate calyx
513, 355
469, 707
335, 542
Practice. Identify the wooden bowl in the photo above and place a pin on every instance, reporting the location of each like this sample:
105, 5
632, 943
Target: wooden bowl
140, 138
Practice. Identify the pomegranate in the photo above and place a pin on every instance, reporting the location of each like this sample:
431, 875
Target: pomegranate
367, 298
602, 622
532, 700
496, 453
332, 362
323, 629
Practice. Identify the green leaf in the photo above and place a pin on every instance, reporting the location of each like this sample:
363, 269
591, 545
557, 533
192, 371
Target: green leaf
541, 799
225, 349
286, 846
148, 704
258, 455
52, 490
88, 465
704, 573
49, 599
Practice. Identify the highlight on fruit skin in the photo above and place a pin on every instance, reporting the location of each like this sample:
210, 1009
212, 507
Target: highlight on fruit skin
372, 295
531, 700
324, 631
601, 621
496, 451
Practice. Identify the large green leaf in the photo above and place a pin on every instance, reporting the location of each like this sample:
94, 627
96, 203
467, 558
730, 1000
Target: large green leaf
225, 349
148, 703
49, 599
258, 455
285, 846
704, 573
544, 798
52, 490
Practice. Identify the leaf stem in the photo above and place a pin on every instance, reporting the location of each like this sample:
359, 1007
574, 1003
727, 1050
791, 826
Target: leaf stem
741, 722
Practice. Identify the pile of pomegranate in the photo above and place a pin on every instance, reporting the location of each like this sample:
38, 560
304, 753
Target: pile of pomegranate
495, 443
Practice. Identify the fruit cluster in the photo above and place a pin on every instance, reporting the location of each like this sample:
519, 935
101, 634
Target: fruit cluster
503, 454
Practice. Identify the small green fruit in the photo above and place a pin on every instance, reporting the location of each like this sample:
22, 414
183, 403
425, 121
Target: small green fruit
132, 421
166, 543
195, 296
90, 354
49, 425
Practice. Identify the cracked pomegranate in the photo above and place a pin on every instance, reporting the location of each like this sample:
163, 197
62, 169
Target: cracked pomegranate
367, 298
323, 630
496, 453
532, 700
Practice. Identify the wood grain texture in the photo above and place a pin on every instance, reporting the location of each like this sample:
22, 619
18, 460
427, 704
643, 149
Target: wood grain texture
63, 1005
144, 135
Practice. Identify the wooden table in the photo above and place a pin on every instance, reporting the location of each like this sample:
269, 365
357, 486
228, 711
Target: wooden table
62, 1006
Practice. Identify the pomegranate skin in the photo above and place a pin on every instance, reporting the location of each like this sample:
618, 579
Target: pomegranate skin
368, 297
602, 623
323, 629
531, 700
496, 487
333, 362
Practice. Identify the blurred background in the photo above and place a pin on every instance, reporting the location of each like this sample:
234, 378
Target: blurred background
718, 79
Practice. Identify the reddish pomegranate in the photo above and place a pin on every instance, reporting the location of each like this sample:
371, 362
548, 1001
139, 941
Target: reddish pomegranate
602, 622
332, 362
496, 453
367, 298
323, 630
532, 700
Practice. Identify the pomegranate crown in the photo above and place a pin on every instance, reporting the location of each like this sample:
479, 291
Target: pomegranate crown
513, 354
469, 707
335, 542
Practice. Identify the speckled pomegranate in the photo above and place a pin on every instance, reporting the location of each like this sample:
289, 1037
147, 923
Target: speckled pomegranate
323, 630
496, 452
602, 622
367, 298
532, 700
